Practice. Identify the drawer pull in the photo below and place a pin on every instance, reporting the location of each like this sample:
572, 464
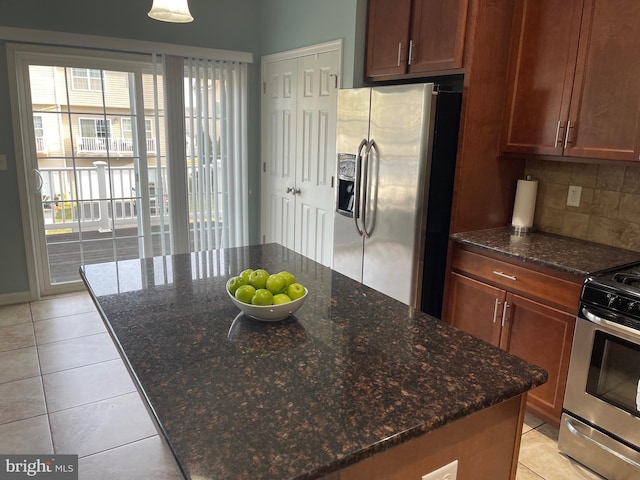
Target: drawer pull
495, 310
504, 312
559, 130
504, 275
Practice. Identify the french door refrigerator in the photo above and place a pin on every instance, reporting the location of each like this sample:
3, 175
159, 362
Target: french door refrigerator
396, 161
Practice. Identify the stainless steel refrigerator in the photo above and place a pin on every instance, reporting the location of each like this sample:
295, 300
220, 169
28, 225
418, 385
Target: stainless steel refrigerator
396, 161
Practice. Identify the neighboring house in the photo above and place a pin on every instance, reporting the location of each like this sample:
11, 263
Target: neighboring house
72, 119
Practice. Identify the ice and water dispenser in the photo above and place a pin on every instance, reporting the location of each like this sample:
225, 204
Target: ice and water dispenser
346, 184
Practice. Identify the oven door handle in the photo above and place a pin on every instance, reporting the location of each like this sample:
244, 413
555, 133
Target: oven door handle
574, 430
612, 325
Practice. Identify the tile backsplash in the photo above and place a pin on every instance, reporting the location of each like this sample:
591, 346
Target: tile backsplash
609, 211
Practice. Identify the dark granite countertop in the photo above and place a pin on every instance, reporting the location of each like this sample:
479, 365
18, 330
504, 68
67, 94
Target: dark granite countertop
352, 374
571, 255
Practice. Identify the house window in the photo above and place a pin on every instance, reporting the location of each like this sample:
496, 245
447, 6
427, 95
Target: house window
127, 133
38, 133
94, 133
86, 79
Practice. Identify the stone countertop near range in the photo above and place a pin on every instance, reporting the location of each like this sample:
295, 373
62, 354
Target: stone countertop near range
571, 255
353, 373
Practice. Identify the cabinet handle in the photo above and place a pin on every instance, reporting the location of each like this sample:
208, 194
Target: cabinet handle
504, 275
399, 52
495, 310
411, 45
559, 136
504, 312
568, 139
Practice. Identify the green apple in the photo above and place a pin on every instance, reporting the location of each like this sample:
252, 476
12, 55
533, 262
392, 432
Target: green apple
245, 293
246, 274
258, 278
235, 283
262, 297
281, 298
276, 283
295, 291
288, 277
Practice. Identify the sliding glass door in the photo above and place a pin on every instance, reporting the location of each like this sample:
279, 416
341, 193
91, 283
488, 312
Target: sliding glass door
94, 143
106, 137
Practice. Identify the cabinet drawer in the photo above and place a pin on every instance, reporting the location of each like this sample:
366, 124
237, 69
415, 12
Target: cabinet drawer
514, 278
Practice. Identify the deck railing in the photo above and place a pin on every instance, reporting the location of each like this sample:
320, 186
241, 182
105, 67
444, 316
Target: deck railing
96, 195
116, 145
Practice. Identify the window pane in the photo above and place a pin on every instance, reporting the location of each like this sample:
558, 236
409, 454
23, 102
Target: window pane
126, 128
87, 127
95, 80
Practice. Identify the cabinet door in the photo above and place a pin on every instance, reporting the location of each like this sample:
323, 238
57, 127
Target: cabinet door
605, 104
475, 307
541, 335
542, 66
387, 37
437, 35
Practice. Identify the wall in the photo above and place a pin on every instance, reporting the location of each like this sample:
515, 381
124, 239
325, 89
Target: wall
222, 24
609, 210
291, 24
13, 269
257, 26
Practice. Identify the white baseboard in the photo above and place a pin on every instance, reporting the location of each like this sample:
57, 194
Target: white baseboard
11, 298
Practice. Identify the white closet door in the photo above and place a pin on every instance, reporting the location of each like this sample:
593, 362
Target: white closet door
278, 152
316, 155
299, 149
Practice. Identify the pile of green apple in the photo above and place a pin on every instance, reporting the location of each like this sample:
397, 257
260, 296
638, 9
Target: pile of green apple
258, 287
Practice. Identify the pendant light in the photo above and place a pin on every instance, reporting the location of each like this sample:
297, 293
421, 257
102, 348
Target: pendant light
175, 11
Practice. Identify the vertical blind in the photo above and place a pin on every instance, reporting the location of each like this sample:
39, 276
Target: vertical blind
216, 144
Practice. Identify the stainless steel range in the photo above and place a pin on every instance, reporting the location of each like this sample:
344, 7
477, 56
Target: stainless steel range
600, 426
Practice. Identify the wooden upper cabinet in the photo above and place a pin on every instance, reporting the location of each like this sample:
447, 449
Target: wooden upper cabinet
411, 37
573, 90
388, 37
605, 105
437, 35
544, 51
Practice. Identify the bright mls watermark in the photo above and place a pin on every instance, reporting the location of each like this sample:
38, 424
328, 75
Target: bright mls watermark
49, 467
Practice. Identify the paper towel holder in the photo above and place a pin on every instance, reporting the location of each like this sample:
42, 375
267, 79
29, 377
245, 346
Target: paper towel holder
519, 229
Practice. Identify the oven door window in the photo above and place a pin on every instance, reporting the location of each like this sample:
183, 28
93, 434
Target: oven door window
614, 372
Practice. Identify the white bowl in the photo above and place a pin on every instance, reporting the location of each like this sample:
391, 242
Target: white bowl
268, 313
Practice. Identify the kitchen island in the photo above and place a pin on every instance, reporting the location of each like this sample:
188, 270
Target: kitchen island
354, 383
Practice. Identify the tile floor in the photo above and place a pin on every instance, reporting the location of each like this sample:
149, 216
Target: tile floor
64, 389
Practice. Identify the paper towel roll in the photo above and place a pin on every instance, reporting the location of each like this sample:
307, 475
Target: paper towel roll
525, 204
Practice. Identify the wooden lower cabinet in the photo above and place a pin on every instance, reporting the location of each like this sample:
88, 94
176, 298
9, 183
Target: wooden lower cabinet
475, 307
485, 443
542, 335
533, 330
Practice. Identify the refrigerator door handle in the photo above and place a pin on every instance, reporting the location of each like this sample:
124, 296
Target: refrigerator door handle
357, 186
365, 189
369, 193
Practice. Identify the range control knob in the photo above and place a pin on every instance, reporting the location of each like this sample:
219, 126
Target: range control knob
614, 301
633, 308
